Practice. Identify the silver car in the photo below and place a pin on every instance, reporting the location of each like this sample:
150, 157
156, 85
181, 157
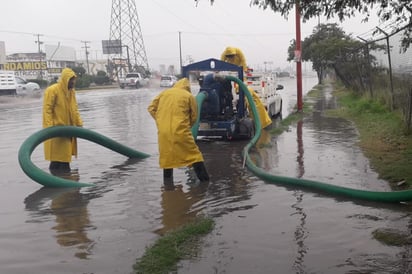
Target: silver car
25, 88
167, 80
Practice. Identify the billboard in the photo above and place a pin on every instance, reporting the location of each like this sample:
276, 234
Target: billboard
60, 53
112, 46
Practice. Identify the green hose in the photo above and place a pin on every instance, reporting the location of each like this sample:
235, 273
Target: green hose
390, 197
200, 97
49, 180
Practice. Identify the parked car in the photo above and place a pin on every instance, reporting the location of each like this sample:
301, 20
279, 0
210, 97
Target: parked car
167, 80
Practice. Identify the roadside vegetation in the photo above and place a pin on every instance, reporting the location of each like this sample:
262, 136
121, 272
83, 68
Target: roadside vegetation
383, 136
183, 243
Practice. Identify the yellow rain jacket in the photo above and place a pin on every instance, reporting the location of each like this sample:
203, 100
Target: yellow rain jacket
60, 109
175, 112
265, 120
237, 59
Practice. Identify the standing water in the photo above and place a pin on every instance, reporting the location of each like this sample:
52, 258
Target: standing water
260, 227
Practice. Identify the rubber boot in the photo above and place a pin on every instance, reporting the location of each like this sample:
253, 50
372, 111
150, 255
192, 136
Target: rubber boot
168, 173
59, 167
201, 171
168, 178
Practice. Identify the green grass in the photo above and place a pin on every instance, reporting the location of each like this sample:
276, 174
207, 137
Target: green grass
392, 237
383, 137
167, 251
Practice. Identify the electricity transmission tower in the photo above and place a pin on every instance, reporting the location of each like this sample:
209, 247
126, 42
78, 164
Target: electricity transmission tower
126, 36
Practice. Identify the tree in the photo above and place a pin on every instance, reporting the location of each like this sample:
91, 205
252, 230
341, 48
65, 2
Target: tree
83, 79
329, 48
326, 44
101, 78
397, 11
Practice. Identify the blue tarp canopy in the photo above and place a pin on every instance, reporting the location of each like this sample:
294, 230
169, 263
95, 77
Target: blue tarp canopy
212, 65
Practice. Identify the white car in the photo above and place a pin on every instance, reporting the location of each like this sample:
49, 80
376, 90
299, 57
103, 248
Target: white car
25, 88
267, 89
167, 80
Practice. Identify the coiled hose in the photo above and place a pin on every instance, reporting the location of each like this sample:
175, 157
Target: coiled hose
377, 196
46, 179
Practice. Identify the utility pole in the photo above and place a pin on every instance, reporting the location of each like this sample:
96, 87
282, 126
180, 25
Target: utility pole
87, 55
298, 58
38, 42
180, 51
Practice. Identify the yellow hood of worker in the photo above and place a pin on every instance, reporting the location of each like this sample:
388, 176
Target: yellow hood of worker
66, 75
237, 59
230, 51
183, 84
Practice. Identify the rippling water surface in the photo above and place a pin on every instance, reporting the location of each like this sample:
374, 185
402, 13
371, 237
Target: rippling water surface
260, 227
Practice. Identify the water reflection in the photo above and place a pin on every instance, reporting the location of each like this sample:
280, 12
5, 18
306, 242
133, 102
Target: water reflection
230, 180
261, 155
69, 206
300, 157
72, 222
177, 205
301, 233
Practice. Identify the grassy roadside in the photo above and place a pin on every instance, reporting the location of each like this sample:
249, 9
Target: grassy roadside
167, 251
383, 138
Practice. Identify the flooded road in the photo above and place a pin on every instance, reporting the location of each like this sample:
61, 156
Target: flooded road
260, 227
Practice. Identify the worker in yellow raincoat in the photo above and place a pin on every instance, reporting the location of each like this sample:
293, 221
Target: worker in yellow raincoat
175, 112
265, 120
235, 56
60, 109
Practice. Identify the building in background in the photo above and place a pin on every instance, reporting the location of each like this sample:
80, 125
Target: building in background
46, 65
59, 57
30, 65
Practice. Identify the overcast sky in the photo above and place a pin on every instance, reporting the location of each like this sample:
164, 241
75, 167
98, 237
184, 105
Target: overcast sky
206, 30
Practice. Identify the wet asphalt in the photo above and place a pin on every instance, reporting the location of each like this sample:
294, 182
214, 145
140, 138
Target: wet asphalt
260, 227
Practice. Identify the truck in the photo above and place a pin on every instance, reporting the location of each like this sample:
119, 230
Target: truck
133, 80
220, 117
7, 83
10, 84
266, 87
